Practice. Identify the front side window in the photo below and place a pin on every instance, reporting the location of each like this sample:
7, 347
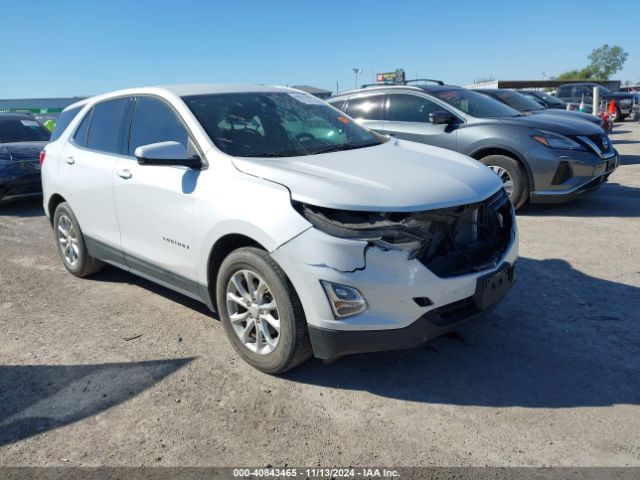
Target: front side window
155, 121
276, 124
22, 129
366, 108
63, 122
411, 108
474, 103
105, 130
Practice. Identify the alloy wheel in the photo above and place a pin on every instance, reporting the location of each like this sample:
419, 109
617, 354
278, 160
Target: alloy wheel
68, 238
507, 181
253, 312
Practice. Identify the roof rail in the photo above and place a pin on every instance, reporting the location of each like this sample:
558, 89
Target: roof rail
416, 80
379, 84
399, 84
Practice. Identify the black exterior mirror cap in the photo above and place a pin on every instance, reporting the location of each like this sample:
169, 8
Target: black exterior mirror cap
441, 117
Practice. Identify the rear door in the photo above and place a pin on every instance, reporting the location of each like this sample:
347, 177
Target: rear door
86, 171
368, 110
155, 204
408, 118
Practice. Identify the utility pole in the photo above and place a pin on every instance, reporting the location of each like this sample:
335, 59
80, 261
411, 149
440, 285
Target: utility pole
357, 70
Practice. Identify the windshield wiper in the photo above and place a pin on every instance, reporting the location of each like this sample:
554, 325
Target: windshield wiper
262, 155
339, 148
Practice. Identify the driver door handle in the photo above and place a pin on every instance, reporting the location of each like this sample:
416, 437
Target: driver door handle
70, 160
125, 173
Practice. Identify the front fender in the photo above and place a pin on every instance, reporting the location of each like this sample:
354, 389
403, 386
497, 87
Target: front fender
243, 205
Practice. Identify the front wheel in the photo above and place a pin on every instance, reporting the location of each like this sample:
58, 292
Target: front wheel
513, 176
261, 312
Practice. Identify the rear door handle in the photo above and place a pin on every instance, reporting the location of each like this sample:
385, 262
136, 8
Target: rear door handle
125, 173
70, 160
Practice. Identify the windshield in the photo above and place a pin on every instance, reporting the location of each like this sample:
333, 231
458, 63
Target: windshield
517, 100
22, 129
276, 124
550, 99
475, 104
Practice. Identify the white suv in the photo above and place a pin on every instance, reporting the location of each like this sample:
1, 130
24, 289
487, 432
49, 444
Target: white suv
306, 232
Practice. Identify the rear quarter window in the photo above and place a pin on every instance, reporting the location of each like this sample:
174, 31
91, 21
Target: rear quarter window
339, 104
80, 137
63, 122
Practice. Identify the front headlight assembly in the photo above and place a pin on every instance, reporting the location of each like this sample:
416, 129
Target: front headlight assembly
384, 229
555, 140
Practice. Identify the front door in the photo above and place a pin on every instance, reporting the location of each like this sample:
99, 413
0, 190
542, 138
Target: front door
408, 118
155, 204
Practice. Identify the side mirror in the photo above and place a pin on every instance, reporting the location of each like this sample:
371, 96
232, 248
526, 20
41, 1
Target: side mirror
441, 117
166, 153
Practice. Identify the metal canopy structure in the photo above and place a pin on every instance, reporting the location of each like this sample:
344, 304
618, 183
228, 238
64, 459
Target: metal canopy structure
37, 105
613, 85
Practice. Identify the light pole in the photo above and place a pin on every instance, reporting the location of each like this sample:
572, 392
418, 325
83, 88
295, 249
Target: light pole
357, 70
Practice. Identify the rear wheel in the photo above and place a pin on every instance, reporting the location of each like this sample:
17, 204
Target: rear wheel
261, 312
70, 243
512, 175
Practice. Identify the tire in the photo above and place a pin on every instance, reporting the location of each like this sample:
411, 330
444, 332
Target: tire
293, 345
519, 193
83, 265
619, 116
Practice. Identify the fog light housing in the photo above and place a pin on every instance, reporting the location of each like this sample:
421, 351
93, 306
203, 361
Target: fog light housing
345, 301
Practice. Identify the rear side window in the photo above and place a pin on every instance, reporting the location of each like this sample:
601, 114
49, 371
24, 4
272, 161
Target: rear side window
367, 108
154, 121
63, 121
410, 108
107, 120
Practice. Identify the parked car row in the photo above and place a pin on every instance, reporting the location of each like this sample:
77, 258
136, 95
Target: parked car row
583, 92
527, 105
551, 156
306, 232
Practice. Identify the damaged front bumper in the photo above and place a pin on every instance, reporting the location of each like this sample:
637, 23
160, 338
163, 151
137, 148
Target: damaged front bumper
407, 303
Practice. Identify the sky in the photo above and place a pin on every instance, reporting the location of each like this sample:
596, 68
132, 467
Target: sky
59, 48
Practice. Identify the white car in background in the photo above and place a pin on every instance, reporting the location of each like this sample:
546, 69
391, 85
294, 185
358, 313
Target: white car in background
306, 232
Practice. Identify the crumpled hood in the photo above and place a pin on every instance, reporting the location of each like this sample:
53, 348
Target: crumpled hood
396, 176
555, 123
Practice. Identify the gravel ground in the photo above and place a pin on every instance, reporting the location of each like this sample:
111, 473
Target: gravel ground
550, 378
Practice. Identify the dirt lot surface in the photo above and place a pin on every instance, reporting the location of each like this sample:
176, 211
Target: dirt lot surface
552, 377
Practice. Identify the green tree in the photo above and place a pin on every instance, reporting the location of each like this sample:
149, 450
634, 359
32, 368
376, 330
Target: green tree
606, 60
583, 74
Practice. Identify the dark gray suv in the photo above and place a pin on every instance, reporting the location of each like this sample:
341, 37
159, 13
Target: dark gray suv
541, 158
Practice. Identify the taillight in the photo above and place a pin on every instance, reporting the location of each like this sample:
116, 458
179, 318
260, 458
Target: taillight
42, 154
